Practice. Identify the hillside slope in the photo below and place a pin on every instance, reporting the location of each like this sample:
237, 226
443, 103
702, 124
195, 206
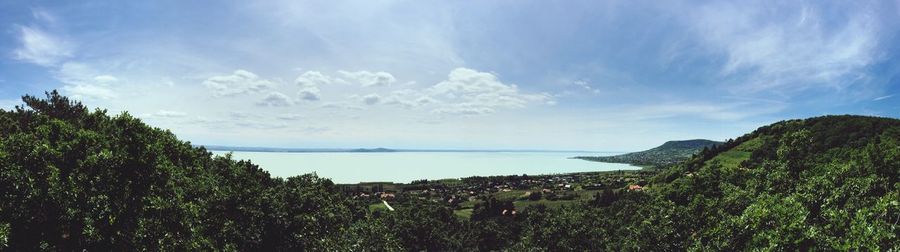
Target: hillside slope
827, 182
668, 153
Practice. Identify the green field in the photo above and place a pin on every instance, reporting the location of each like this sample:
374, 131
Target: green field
377, 207
733, 157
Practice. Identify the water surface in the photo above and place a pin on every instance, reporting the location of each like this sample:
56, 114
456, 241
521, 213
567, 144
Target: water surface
353, 167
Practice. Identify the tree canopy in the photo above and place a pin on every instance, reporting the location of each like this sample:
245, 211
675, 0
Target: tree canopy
72, 178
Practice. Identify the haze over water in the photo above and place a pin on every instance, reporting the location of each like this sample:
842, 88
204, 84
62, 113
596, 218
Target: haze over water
354, 167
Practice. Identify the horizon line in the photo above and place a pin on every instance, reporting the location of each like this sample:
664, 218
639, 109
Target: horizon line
375, 149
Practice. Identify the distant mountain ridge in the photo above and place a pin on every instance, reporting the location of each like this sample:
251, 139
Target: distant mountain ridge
686, 144
668, 153
379, 149
373, 150
298, 150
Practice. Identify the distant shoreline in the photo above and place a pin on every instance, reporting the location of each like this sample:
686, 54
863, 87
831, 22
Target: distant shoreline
373, 150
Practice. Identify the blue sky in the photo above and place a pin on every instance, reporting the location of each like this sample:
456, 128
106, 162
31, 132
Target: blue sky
589, 75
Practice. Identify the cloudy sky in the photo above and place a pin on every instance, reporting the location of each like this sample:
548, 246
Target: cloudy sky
588, 75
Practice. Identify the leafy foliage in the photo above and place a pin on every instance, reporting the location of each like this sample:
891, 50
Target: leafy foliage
70, 178
75, 179
806, 184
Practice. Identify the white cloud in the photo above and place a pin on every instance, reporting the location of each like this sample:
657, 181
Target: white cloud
788, 47
584, 85
43, 16
260, 125
276, 99
309, 85
40, 47
883, 97
168, 82
165, 114
369, 79
239, 115
340, 105
83, 82
395, 100
81, 91
732, 111
312, 79
465, 92
9, 104
309, 93
289, 117
403, 98
239, 82
473, 92
371, 99
464, 109
425, 100
105, 78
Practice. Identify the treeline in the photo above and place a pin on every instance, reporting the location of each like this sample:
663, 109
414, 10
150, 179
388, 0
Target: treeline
73, 179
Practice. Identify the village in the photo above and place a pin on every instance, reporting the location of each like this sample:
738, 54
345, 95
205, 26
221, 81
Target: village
523, 190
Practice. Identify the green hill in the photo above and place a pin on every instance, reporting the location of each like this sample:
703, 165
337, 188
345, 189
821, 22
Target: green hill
825, 183
669, 153
829, 183
74, 179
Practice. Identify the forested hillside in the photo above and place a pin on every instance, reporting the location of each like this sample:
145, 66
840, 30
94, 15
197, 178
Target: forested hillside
71, 178
827, 182
668, 153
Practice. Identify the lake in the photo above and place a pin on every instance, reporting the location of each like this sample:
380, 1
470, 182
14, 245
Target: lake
354, 167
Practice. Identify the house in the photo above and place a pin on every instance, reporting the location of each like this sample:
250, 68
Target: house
595, 186
635, 188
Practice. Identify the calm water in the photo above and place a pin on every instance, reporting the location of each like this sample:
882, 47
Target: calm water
347, 167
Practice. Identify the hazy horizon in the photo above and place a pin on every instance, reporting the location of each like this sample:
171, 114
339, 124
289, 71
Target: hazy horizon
417, 149
576, 75
405, 167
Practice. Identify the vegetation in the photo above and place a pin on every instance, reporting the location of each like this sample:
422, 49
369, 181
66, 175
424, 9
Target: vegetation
72, 179
671, 152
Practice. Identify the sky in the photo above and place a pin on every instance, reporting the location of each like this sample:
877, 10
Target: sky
552, 75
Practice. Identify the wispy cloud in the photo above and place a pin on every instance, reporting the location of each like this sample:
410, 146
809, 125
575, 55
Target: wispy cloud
883, 97
788, 47
40, 47
340, 105
165, 114
731, 111
43, 16
9, 104
586, 86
